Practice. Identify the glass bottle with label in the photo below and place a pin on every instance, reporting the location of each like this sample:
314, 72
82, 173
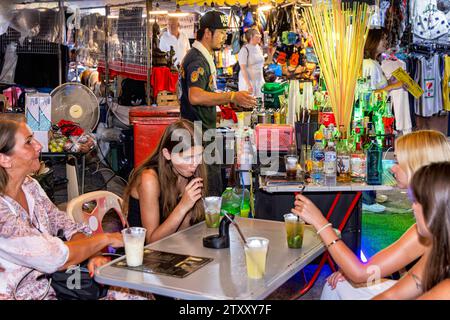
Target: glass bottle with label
318, 158
374, 161
329, 164
358, 163
343, 159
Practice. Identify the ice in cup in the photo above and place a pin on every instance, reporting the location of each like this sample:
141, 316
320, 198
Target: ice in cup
212, 211
291, 167
295, 228
255, 256
134, 240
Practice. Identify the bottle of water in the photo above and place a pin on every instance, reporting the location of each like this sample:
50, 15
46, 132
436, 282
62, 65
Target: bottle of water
317, 157
329, 164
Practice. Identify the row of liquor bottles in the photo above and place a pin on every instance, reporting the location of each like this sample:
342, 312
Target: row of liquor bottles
338, 157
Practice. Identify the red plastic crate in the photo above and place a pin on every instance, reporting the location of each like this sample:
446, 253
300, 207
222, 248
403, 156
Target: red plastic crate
281, 134
149, 124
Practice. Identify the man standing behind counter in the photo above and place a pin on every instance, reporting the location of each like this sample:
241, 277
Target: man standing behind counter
175, 38
198, 84
198, 74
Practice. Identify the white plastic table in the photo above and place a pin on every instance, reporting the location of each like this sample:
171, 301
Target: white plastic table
225, 277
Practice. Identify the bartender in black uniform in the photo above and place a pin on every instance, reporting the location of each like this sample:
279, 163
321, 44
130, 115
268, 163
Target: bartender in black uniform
198, 83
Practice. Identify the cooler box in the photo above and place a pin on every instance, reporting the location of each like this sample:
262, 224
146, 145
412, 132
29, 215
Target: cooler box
149, 124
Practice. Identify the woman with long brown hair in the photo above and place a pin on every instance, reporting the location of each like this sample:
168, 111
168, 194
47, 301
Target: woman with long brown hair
430, 277
163, 193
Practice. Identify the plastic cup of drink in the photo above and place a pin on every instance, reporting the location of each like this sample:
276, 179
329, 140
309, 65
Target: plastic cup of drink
212, 211
295, 228
255, 256
134, 240
291, 167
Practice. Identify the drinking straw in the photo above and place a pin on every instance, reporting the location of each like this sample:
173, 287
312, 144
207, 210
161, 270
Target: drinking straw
237, 228
339, 33
297, 193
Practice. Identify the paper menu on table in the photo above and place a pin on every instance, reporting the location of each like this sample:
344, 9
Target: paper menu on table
413, 87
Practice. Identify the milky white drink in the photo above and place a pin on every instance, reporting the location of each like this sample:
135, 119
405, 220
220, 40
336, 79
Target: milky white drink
255, 256
134, 239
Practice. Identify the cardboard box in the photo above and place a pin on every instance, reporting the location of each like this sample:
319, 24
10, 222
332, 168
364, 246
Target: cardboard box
38, 110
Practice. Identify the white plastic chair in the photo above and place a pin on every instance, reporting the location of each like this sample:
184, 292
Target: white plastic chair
91, 209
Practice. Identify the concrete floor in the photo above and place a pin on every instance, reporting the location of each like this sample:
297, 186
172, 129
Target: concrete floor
97, 174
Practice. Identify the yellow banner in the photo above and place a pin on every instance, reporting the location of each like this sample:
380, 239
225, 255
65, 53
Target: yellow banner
227, 2
410, 85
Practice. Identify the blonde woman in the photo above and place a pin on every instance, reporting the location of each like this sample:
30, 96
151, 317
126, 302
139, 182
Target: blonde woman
353, 281
430, 277
251, 62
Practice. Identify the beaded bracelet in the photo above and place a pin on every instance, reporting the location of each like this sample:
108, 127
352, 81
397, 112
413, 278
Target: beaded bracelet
323, 228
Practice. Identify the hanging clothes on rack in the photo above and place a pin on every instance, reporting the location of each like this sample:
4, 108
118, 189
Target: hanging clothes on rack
429, 77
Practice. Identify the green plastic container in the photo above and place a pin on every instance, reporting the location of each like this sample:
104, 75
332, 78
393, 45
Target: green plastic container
244, 196
231, 202
272, 92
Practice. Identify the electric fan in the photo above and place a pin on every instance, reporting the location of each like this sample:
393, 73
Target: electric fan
75, 102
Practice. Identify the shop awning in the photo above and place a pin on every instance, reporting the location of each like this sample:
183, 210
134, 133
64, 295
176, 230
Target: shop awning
228, 2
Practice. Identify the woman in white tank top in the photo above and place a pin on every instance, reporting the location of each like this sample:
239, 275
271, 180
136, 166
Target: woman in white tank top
251, 62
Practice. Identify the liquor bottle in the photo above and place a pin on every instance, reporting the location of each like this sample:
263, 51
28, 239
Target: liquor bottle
358, 162
318, 158
343, 159
329, 164
374, 161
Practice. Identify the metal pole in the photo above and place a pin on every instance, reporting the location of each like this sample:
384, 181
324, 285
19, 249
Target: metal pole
107, 23
62, 30
149, 43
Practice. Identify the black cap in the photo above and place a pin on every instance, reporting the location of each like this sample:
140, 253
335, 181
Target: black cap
214, 20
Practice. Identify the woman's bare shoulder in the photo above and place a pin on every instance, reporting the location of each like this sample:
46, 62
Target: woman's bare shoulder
149, 179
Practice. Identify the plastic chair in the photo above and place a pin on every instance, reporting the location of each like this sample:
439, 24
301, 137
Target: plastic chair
3, 103
101, 210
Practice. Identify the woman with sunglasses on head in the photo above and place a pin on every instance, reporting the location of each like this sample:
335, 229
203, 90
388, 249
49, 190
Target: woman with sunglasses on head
353, 281
164, 192
429, 279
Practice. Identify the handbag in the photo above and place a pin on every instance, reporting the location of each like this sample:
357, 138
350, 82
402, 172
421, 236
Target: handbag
72, 284
76, 285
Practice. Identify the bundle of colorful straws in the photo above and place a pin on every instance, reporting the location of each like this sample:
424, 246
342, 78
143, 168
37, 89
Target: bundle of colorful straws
339, 34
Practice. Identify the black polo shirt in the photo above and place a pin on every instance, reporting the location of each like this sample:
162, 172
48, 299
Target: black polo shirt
195, 72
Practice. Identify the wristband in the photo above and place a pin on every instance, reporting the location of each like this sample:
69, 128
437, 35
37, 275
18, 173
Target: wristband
323, 228
334, 242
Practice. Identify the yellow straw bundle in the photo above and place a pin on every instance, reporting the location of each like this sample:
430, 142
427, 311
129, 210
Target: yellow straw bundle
339, 33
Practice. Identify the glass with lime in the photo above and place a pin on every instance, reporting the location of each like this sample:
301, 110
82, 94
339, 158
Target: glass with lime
294, 230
